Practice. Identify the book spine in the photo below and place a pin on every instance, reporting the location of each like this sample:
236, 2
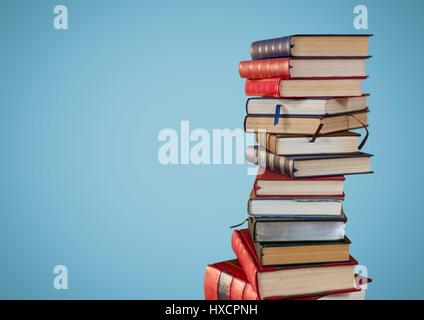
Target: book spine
272, 143
272, 48
210, 284
268, 160
252, 228
246, 260
265, 69
222, 285
263, 88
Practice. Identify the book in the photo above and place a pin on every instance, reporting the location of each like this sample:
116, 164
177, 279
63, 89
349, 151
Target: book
297, 228
299, 68
291, 281
290, 253
303, 88
258, 206
226, 280
290, 144
306, 125
299, 107
312, 45
304, 166
271, 184
298, 252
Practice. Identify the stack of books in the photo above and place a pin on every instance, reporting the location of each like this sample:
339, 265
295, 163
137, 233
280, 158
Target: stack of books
307, 99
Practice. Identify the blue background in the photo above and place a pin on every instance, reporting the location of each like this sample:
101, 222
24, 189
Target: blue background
81, 111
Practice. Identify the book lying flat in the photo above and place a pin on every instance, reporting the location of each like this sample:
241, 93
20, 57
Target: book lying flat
311, 165
297, 228
291, 281
299, 68
226, 280
312, 45
303, 88
312, 107
290, 253
290, 144
306, 125
258, 206
271, 184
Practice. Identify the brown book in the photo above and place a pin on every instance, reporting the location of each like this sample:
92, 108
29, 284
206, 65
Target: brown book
290, 253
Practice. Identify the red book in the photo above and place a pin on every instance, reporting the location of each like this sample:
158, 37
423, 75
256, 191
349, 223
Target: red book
305, 88
226, 280
263, 69
266, 88
273, 184
295, 68
291, 281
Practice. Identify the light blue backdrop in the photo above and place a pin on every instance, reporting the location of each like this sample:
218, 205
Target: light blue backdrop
81, 110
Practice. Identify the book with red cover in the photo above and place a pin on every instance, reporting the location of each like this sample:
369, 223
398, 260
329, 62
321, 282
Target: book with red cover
304, 88
300, 68
269, 175
226, 280
244, 249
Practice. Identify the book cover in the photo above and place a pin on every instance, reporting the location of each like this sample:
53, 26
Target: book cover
269, 175
245, 252
226, 280
285, 46
287, 69
288, 165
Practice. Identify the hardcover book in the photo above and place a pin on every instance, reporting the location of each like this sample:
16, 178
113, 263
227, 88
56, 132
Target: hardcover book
303, 88
297, 68
300, 107
306, 125
297, 228
258, 206
226, 280
271, 184
290, 253
289, 144
292, 281
311, 165
312, 45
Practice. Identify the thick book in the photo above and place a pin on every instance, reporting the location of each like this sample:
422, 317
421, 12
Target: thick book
291, 281
305, 166
311, 45
226, 280
280, 206
291, 253
303, 88
299, 68
297, 228
291, 144
272, 184
306, 125
310, 107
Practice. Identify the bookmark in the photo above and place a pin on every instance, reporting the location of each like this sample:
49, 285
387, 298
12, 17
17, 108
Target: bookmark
239, 225
277, 114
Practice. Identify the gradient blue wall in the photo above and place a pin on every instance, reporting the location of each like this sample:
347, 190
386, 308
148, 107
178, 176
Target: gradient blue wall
81, 110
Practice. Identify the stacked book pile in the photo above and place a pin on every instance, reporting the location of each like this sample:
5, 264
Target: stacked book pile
307, 100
